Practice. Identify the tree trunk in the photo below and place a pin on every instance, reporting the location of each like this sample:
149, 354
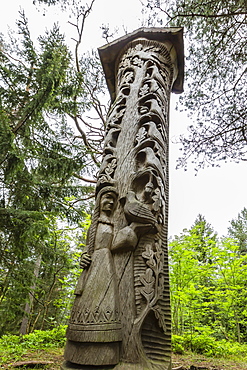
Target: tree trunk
26, 317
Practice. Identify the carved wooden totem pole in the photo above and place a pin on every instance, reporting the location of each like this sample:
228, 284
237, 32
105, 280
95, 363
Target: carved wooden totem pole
121, 313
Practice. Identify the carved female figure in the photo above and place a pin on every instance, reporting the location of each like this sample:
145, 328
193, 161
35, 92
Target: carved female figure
94, 331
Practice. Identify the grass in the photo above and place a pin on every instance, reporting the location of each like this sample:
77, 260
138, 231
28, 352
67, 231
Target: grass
39, 345
47, 346
55, 355
189, 358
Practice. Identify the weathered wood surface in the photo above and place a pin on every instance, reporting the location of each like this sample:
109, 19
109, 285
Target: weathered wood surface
121, 313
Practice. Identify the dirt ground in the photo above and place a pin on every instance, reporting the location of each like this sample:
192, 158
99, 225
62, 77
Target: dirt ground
52, 359
198, 362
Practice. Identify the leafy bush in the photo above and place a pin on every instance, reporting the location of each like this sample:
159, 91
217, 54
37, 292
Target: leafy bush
207, 345
203, 344
14, 346
44, 339
178, 344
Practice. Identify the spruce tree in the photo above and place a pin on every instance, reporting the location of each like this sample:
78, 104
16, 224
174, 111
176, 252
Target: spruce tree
48, 156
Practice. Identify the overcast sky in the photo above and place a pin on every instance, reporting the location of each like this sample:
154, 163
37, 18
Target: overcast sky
217, 193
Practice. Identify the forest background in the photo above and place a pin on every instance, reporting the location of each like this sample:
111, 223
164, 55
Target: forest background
53, 110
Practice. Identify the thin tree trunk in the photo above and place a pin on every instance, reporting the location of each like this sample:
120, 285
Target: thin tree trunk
5, 285
26, 317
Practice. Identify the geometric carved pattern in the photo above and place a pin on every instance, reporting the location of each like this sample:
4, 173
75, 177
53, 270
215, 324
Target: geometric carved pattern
99, 316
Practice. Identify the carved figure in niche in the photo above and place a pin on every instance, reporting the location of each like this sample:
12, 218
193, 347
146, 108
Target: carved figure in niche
153, 89
106, 173
149, 157
117, 111
148, 135
126, 78
111, 141
147, 186
94, 331
146, 195
141, 212
151, 105
154, 133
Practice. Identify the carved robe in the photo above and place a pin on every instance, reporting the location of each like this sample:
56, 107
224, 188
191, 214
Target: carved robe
94, 330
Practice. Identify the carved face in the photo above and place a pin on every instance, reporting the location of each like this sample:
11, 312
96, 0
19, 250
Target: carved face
107, 202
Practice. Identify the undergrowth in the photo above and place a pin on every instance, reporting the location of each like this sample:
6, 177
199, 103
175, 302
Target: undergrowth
13, 347
208, 346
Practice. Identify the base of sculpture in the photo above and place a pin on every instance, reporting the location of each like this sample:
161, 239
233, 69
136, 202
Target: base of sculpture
92, 354
66, 365
122, 366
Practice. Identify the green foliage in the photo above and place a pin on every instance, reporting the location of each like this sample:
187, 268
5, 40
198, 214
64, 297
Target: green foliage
178, 344
191, 268
36, 340
215, 79
38, 160
13, 346
208, 284
44, 279
238, 230
207, 345
44, 155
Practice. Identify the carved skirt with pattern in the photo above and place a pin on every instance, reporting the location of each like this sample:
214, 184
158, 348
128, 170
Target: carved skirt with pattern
95, 313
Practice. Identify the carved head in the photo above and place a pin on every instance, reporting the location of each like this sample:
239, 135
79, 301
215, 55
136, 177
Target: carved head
108, 202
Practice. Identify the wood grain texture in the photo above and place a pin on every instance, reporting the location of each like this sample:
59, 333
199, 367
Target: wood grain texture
121, 314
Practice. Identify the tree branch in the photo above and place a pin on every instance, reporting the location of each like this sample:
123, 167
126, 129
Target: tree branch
80, 31
84, 138
84, 179
208, 15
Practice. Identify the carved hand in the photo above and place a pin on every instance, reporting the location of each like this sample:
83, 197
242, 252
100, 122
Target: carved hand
85, 260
